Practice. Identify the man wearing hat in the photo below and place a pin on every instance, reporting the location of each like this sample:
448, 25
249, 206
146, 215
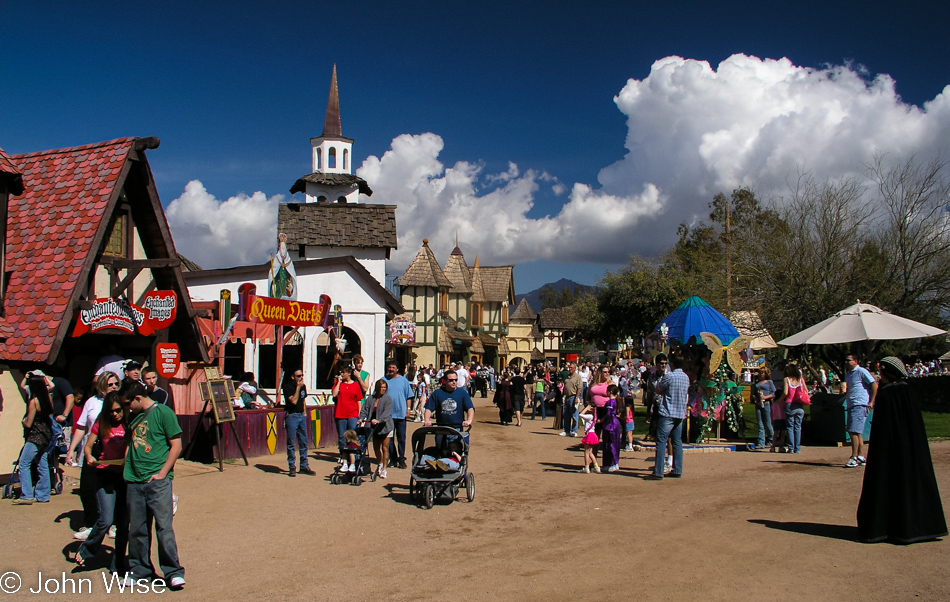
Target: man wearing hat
133, 372
861, 390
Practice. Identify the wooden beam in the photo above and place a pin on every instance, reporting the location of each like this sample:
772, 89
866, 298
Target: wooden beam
119, 288
121, 263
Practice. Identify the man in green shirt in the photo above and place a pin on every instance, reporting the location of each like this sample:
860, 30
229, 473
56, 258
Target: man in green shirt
149, 464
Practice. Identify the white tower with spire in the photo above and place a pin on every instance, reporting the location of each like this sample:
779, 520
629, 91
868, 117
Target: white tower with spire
332, 180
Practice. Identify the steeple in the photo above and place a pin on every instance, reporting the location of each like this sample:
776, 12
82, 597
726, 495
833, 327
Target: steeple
332, 124
332, 151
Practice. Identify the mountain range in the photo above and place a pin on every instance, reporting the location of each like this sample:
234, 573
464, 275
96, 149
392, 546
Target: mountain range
534, 297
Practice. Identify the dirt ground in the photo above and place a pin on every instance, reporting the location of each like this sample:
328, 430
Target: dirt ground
737, 526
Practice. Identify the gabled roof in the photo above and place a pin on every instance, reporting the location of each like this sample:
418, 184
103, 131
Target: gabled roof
523, 312
11, 174
556, 318
457, 271
424, 270
301, 267
492, 283
55, 232
339, 180
338, 224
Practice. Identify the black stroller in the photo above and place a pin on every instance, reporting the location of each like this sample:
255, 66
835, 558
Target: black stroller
428, 481
364, 434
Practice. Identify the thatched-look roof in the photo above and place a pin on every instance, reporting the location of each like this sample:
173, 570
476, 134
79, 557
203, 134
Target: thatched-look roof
523, 313
338, 224
424, 270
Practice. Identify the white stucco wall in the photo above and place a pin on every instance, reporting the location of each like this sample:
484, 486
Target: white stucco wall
363, 312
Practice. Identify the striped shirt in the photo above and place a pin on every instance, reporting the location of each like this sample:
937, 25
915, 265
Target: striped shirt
674, 387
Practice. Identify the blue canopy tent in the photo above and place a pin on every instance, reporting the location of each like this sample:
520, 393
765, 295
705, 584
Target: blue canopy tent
694, 316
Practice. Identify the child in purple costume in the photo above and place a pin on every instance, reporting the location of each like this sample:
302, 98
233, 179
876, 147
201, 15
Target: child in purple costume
611, 431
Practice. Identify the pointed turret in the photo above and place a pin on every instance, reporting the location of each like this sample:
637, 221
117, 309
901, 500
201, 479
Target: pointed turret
332, 124
332, 179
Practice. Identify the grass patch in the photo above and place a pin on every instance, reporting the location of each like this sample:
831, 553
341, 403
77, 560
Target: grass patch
937, 424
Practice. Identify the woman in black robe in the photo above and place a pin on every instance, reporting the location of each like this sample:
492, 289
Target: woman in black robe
900, 501
502, 399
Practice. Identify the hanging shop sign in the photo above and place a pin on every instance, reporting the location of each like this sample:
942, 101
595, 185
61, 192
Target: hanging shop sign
161, 308
168, 359
267, 310
402, 331
157, 313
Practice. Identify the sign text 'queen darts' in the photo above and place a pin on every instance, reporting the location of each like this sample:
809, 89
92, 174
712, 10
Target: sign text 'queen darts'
289, 313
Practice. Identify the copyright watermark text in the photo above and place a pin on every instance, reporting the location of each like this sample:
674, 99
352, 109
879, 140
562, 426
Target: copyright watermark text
11, 582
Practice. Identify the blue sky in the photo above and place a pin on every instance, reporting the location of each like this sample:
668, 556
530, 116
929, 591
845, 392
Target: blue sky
235, 90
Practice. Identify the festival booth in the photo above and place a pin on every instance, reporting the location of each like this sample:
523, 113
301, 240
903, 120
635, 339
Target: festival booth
715, 355
92, 273
269, 335
859, 323
237, 432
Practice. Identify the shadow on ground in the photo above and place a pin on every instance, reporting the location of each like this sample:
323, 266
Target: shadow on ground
843, 532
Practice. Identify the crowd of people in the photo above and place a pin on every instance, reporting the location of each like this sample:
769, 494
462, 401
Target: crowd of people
126, 439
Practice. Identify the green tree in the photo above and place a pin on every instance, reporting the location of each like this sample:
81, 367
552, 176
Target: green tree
629, 302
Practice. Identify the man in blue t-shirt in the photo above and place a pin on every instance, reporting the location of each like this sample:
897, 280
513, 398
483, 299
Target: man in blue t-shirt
451, 404
860, 394
400, 390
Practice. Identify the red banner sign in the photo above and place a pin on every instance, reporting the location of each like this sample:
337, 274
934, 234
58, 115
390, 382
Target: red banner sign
112, 313
158, 313
267, 310
162, 308
570, 357
167, 358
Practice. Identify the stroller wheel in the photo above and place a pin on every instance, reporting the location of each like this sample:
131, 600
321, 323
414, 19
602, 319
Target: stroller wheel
357, 481
470, 487
428, 495
413, 493
334, 479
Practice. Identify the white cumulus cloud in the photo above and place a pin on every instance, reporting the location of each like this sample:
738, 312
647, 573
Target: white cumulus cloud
214, 234
692, 131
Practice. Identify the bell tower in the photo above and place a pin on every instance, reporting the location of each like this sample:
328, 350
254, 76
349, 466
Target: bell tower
332, 151
332, 179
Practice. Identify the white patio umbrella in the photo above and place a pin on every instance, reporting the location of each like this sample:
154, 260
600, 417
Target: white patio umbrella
861, 322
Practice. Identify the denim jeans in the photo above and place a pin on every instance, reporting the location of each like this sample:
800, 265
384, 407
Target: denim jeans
296, 427
28, 456
148, 502
397, 443
764, 416
796, 414
539, 402
569, 414
343, 425
113, 510
669, 427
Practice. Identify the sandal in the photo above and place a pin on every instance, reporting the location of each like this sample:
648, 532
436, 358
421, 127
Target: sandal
79, 560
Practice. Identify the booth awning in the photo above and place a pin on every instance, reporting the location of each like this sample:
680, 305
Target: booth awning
211, 332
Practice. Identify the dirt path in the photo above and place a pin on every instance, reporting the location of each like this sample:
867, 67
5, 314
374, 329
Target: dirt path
738, 526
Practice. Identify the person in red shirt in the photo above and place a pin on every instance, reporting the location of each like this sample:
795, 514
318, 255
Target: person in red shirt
348, 393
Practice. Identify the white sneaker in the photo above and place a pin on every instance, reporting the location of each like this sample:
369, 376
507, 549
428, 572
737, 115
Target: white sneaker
382, 473
613, 468
628, 448
82, 534
562, 434
585, 470
351, 467
112, 532
176, 582
174, 504
597, 469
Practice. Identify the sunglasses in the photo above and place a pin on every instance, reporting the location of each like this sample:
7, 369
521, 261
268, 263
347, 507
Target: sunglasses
116, 410
451, 380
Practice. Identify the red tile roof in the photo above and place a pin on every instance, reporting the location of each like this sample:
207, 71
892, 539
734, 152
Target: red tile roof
50, 232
